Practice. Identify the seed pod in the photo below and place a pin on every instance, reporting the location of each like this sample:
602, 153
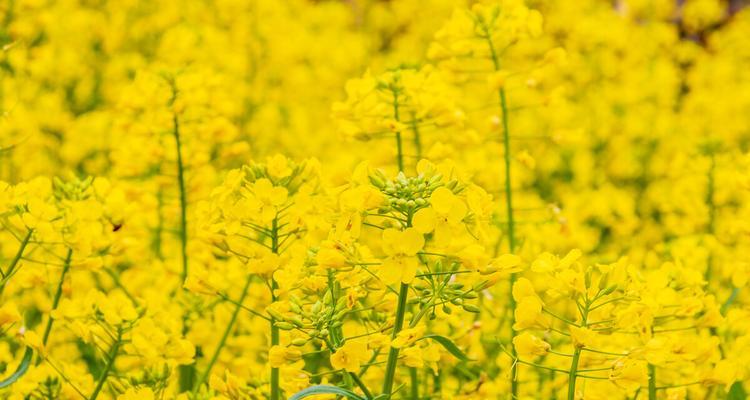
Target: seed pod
283, 325
471, 308
275, 314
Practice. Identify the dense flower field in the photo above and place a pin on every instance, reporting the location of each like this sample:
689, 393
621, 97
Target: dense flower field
371, 199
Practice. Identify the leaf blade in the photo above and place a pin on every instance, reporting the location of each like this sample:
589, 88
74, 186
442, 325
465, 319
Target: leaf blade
325, 389
20, 371
448, 345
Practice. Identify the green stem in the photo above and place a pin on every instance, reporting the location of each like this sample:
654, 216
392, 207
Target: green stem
414, 383
14, 262
183, 196
510, 223
107, 368
275, 390
398, 133
58, 295
224, 337
572, 374
417, 138
651, 382
390, 368
361, 385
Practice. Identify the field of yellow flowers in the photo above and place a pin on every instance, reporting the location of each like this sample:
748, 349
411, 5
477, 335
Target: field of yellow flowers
374, 199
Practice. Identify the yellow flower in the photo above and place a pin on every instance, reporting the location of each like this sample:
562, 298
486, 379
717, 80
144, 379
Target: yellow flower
629, 374
350, 356
413, 357
278, 167
9, 313
444, 216
406, 337
270, 196
528, 345
582, 336
401, 248
283, 355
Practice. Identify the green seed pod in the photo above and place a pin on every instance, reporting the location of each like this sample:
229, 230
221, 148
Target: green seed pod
283, 325
471, 308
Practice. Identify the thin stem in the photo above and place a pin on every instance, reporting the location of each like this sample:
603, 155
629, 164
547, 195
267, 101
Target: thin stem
390, 369
275, 390
414, 383
510, 223
361, 385
224, 337
58, 295
14, 262
398, 133
576, 356
651, 382
107, 368
183, 195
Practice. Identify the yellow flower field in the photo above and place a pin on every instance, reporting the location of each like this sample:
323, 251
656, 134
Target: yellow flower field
374, 199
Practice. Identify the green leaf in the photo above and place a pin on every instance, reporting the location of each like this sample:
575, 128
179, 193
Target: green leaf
22, 368
448, 345
737, 392
326, 389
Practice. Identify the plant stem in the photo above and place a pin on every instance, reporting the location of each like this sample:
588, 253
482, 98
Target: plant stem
361, 385
107, 368
510, 223
183, 195
390, 369
275, 391
224, 337
414, 383
576, 356
14, 262
417, 138
58, 295
399, 148
651, 382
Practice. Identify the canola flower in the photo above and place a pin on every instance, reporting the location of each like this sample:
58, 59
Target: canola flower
510, 199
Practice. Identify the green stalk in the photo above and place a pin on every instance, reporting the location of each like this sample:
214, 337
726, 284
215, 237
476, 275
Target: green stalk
390, 368
417, 138
224, 337
183, 195
651, 382
107, 368
399, 148
14, 262
58, 294
414, 383
510, 224
361, 385
275, 390
572, 375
